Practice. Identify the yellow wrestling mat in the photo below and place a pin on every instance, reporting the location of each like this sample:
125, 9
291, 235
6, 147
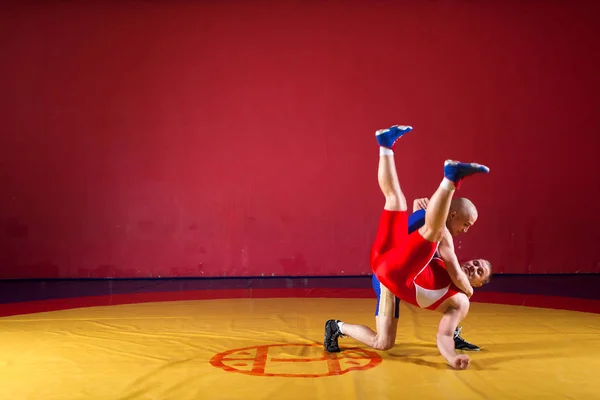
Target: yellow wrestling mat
271, 349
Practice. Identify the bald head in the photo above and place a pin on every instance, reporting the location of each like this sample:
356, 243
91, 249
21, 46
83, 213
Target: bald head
464, 207
462, 215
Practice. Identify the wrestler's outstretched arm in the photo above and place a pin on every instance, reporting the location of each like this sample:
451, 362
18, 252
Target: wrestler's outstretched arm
458, 276
455, 313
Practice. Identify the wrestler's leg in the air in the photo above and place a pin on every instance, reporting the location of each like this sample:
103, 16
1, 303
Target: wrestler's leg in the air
439, 204
393, 226
387, 175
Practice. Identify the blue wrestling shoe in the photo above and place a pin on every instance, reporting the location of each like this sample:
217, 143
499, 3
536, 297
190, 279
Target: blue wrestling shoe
456, 171
388, 137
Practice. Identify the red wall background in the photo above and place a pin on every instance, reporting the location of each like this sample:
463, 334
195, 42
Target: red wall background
174, 138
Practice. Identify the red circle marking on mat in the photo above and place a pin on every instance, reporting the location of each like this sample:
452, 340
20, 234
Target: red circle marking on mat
261, 358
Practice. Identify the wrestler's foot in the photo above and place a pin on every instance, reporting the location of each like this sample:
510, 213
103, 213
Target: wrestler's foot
388, 137
332, 334
456, 171
462, 344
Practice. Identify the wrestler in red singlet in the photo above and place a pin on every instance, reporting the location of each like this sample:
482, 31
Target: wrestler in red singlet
406, 263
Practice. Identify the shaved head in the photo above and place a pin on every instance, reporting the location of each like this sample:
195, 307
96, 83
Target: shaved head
462, 215
464, 207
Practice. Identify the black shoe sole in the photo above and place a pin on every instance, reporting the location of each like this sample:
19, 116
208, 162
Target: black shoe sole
466, 349
331, 334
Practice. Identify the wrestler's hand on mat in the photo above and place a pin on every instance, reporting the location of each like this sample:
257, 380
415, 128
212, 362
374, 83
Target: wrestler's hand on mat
461, 361
420, 204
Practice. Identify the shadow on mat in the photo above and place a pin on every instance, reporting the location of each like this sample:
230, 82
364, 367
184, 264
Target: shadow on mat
487, 359
478, 364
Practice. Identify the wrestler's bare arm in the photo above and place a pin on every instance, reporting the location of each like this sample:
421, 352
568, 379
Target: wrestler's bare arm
459, 278
456, 309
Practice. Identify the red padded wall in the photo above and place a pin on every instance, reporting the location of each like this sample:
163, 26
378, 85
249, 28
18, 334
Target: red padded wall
173, 138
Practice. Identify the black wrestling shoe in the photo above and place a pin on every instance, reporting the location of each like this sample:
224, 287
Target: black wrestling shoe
462, 344
332, 334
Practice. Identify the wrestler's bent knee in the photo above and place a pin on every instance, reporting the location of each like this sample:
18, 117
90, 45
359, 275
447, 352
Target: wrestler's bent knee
385, 344
393, 203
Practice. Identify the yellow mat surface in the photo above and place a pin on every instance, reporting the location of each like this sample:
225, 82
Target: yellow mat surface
271, 349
